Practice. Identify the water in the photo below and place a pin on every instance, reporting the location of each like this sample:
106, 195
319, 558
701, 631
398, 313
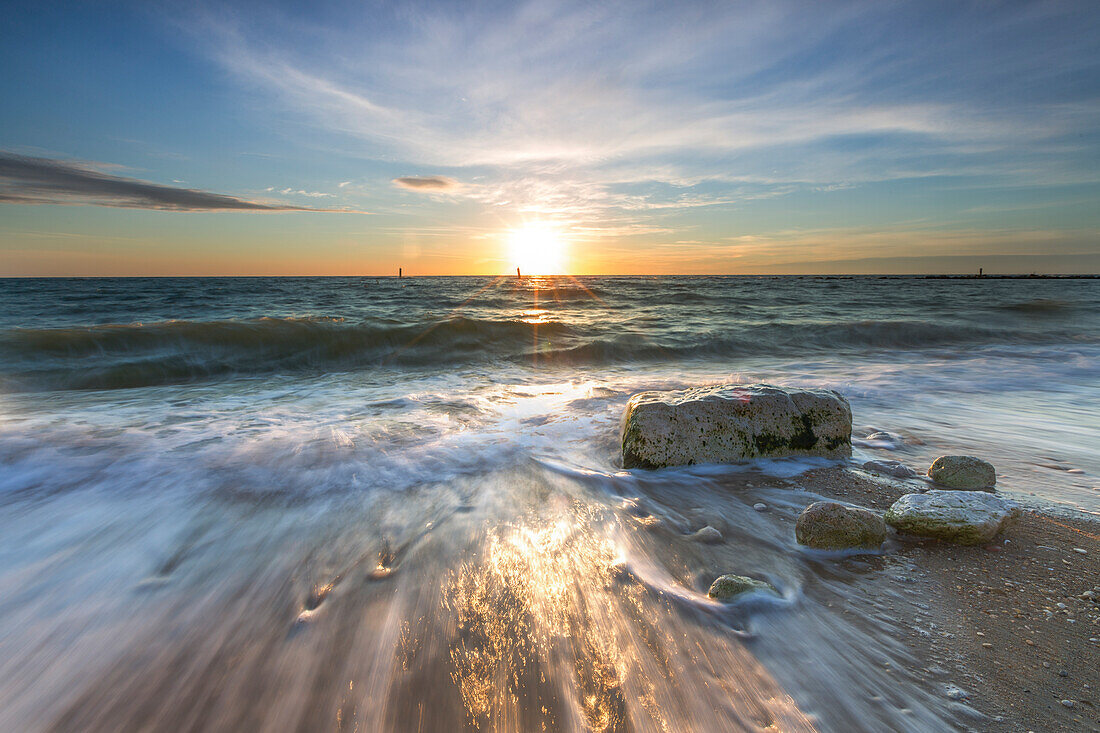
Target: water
375, 504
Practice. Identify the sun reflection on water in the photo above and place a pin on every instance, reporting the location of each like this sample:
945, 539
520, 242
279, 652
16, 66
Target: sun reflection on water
526, 604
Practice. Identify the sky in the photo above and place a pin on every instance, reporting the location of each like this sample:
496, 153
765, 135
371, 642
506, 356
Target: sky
353, 138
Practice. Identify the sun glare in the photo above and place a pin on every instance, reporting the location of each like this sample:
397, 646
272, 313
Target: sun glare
537, 249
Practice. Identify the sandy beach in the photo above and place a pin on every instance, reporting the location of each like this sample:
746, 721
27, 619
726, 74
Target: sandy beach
1011, 623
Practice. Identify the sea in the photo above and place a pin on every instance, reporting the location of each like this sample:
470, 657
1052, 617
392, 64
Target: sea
364, 503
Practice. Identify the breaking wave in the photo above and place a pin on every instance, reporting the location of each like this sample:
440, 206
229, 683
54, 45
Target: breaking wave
173, 352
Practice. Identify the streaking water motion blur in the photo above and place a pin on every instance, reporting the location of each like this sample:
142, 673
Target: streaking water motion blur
373, 504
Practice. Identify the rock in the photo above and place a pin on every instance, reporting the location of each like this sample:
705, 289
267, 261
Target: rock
729, 587
963, 472
829, 525
887, 467
954, 692
725, 424
1068, 703
962, 517
707, 535
760, 506
882, 439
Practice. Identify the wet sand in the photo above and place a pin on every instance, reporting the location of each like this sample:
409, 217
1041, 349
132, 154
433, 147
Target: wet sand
1007, 622
546, 598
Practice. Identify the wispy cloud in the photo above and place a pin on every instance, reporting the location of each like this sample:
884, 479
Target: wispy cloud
31, 180
578, 111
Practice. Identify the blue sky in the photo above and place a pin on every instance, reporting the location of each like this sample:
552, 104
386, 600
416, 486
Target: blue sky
348, 138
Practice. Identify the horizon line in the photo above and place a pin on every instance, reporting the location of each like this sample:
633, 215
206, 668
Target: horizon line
969, 275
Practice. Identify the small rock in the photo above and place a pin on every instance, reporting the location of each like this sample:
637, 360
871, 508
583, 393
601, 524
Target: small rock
963, 472
882, 439
1063, 673
954, 692
1068, 703
760, 506
829, 525
729, 587
886, 467
1080, 551
707, 535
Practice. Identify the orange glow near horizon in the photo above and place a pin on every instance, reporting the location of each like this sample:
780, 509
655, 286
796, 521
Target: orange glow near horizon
538, 249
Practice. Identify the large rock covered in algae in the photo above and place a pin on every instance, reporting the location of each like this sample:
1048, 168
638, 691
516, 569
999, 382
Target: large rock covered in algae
963, 472
732, 423
962, 517
729, 587
828, 525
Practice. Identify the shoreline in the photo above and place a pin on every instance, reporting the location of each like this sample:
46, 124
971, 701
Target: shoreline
1006, 622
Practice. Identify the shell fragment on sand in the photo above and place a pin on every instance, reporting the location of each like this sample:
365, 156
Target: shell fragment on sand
731, 423
829, 525
962, 517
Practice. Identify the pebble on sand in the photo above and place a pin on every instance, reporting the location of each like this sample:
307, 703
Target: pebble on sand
954, 692
760, 506
729, 587
887, 467
707, 535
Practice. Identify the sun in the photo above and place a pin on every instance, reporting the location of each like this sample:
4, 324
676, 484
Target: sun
537, 249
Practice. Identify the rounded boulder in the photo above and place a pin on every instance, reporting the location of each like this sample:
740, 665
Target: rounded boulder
962, 517
829, 525
963, 472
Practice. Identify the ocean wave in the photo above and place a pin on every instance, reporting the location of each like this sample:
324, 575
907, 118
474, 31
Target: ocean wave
170, 352
791, 339
173, 352
1039, 305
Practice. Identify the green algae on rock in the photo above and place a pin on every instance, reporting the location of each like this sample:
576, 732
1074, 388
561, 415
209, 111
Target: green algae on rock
729, 587
962, 517
829, 525
730, 423
963, 472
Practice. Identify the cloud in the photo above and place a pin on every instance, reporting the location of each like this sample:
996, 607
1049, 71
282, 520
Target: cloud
431, 184
612, 122
30, 180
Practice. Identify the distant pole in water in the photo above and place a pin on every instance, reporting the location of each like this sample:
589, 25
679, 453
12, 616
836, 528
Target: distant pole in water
399, 272
979, 272
517, 273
